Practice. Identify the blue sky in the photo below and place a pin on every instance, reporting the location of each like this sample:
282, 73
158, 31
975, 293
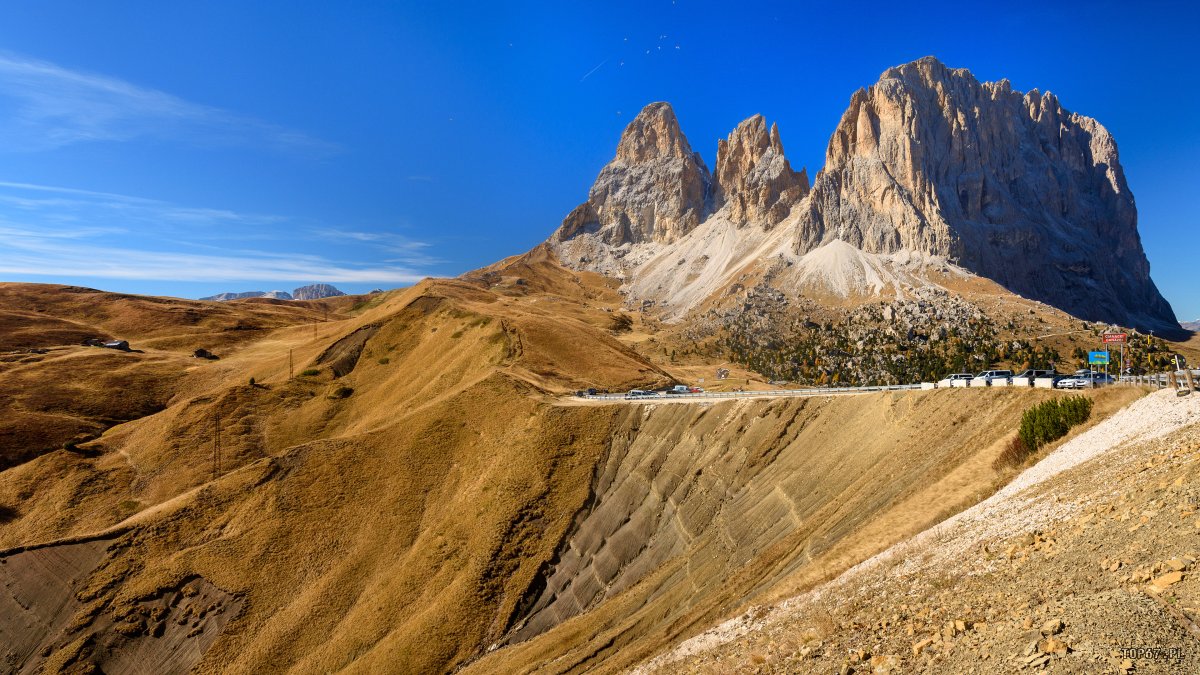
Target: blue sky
193, 148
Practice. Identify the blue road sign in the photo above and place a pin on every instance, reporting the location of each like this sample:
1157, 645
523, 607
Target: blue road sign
1098, 358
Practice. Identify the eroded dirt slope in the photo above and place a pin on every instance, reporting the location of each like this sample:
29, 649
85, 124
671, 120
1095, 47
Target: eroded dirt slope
1086, 563
698, 511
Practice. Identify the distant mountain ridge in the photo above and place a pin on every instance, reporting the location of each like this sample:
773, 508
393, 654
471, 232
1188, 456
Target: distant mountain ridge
225, 297
928, 164
315, 292
310, 292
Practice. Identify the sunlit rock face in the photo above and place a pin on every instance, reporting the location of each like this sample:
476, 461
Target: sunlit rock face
1012, 186
653, 190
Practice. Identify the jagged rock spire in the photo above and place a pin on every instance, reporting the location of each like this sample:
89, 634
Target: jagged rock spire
655, 188
753, 178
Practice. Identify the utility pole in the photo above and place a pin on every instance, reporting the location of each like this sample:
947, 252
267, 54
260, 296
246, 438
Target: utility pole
1106, 360
216, 457
290, 364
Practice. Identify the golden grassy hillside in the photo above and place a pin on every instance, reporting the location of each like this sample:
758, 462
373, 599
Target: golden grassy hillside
417, 496
47, 315
420, 461
59, 392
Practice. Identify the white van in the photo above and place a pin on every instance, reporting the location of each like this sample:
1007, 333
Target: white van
991, 378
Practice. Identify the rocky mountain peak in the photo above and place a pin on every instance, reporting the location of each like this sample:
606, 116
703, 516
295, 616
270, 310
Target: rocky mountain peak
653, 134
225, 297
753, 177
654, 190
929, 161
927, 69
316, 292
1012, 186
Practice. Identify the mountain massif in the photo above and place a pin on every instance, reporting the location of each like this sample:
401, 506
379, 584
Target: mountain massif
310, 292
270, 295
926, 167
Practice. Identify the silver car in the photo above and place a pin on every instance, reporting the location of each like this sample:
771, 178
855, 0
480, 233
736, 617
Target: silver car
988, 377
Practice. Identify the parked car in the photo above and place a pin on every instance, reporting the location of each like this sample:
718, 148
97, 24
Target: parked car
1033, 373
956, 380
696, 390
679, 389
1090, 379
641, 393
1073, 382
1028, 378
988, 377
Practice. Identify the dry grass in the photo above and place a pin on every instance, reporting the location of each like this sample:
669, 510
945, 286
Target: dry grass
1015, 453
398, 529
341, 517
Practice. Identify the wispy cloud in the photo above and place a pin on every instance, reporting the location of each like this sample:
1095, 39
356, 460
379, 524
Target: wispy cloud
49, 203
49, 106
56, 232
32, 252
401, 249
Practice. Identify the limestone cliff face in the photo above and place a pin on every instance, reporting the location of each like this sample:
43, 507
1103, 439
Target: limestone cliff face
654, 190
1008, 185
1012, 186
753, 177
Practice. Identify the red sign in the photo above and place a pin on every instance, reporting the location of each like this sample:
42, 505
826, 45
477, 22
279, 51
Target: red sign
1115, 337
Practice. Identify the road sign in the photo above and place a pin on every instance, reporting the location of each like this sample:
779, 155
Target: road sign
1098, 358
1115, 337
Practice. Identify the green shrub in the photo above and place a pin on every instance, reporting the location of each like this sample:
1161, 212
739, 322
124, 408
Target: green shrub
384, 361
1051, 420
310, 372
